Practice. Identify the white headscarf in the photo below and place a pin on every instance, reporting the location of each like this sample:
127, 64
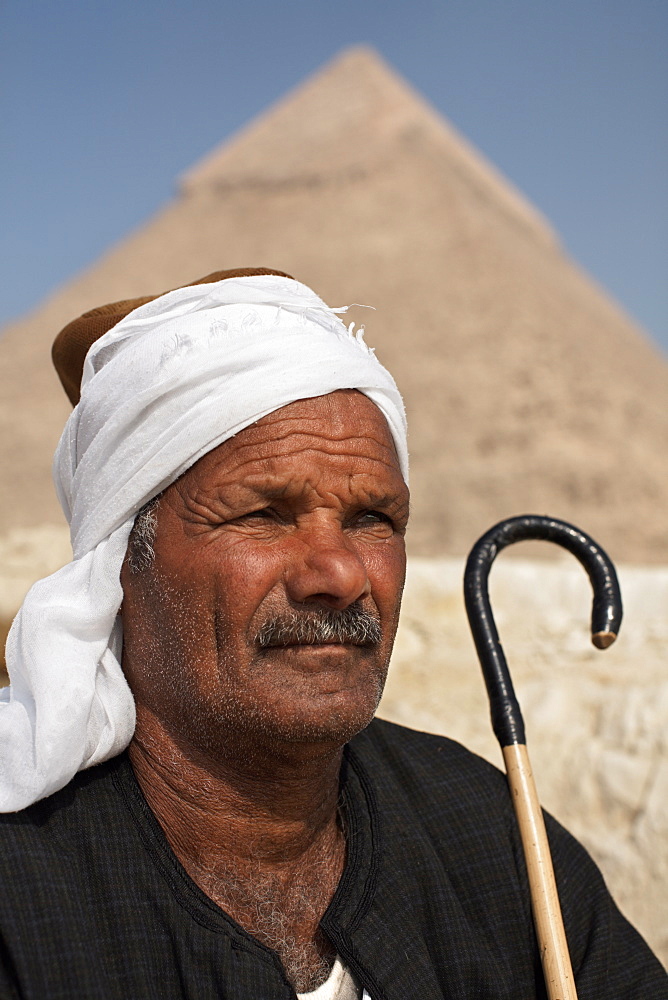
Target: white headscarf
170, 382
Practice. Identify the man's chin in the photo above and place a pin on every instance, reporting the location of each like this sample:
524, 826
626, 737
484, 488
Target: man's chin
276, 705
335, 730
324, 725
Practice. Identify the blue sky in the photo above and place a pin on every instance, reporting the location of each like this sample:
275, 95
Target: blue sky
103, 105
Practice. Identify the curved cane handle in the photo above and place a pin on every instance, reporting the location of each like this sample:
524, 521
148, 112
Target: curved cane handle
606, 614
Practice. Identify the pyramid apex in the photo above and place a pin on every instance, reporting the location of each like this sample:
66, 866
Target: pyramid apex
351, 118
364, 58
331, 120
359, 53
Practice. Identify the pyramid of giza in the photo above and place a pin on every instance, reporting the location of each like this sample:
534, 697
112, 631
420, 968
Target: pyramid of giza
527, 389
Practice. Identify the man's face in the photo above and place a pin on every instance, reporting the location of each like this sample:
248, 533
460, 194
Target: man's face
301, 514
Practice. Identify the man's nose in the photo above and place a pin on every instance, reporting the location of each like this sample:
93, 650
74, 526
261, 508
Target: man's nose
327, 570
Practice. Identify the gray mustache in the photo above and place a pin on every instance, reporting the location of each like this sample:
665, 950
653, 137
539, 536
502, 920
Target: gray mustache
353, 625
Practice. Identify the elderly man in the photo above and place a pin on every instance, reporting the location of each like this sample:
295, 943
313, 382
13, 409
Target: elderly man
235, 478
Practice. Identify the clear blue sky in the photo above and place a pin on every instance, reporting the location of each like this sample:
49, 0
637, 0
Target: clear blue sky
103, 104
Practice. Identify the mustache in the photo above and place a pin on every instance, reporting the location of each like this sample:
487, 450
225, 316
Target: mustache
353, 625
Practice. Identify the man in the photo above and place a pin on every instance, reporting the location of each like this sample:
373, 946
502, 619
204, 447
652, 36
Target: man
235, 478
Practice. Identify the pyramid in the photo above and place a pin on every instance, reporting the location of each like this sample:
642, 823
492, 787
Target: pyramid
527, 388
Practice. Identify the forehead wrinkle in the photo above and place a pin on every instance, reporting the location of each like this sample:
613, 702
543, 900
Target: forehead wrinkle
348, 465
308, 440
264, 481
334, 407
271, 483
325, 422
356, 489
335, 412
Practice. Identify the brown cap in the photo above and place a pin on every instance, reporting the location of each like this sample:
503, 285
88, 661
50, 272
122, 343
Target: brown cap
73, 342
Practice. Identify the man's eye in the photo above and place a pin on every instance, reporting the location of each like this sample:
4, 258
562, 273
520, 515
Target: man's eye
263, 514
370, 517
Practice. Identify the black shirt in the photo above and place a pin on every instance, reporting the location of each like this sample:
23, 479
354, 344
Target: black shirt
433, 902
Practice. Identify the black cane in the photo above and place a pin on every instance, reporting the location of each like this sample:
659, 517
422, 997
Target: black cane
507, 719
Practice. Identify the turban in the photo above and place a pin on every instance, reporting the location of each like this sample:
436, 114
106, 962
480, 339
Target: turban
172, 380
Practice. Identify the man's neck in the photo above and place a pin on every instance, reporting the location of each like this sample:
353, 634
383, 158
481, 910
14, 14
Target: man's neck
259, 836
268, 806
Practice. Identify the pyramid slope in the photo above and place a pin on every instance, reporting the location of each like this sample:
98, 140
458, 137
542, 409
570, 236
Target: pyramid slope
526, 387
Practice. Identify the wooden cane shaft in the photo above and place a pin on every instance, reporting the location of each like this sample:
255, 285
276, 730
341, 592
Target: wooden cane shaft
548, 921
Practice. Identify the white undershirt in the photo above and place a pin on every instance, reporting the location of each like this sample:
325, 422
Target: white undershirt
339, 986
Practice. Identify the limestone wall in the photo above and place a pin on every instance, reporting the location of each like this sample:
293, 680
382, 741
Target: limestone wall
596, 721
